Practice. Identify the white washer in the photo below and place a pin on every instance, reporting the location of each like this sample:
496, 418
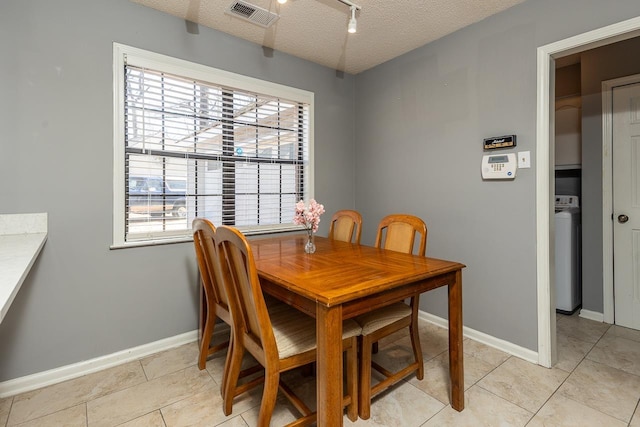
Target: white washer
568, 254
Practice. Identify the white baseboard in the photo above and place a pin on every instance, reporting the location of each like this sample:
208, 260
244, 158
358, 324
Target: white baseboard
75, 370
591, 315
481, 337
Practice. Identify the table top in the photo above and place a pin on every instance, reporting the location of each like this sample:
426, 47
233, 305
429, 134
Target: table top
339, 272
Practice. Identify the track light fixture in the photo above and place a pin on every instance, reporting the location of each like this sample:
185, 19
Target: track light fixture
352, 22
351, 28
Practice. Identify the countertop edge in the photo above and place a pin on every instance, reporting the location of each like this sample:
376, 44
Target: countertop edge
22, 238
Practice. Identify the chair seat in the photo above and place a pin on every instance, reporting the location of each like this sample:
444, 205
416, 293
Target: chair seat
378, 319
295, 332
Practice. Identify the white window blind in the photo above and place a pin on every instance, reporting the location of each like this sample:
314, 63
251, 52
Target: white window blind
193, 147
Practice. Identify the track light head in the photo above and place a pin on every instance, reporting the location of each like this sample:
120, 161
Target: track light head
352, 22
282, 1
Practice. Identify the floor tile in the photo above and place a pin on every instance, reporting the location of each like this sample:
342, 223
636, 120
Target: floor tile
491, 355
303, 385
283, 413
580, 328
215, 364
433, 339
141, 399
205, 408
436, 380
621, 332
571, 351
523, 383
48, 400
561, 411
397, 407
237, 421
398, 335
619, 353
170, 361
70, 417
154, 419
606, 389
394, 356
482, 408
635, 421
5, 407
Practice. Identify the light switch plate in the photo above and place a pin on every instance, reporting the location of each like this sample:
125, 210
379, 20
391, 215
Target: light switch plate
524, 159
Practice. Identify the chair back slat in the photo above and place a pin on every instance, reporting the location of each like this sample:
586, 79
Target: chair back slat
247, 304
398, 232
344, 224
203, 239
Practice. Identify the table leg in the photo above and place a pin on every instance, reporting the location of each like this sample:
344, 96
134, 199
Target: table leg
456, 366
329, 375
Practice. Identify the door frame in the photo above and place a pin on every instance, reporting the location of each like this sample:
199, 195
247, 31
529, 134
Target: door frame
607, 192
545, 186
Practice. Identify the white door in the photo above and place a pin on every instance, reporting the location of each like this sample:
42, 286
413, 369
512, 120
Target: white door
626, 204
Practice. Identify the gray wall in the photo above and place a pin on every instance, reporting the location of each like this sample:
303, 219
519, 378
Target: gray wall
605, 63
82, 300
420, 123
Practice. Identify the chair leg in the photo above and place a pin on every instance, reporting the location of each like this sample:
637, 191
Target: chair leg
227, 368
417, 351
230, 382
415, 338
364, 389
202, 315
207, 332
352, 379
269, 395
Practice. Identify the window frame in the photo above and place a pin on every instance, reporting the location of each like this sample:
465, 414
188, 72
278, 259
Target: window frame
122, 55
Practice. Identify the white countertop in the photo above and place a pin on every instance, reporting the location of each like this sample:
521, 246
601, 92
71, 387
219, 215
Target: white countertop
22, 236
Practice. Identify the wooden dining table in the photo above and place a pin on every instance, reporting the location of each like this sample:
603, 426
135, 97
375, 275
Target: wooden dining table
342, 280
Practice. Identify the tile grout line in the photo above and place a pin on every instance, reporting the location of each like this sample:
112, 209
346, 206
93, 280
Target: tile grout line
146, 377
507, 400
474, 384
571, 373
637, 408
567, 377
144, 372
556, 390
13, 399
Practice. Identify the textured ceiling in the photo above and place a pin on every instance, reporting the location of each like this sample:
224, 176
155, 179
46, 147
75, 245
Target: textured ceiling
316, 30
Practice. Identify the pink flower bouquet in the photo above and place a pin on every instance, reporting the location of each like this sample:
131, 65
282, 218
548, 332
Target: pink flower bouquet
308, 216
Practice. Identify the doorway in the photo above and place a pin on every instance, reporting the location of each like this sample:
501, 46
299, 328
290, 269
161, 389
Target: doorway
546, 56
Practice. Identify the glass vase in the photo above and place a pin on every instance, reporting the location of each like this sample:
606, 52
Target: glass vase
310, 247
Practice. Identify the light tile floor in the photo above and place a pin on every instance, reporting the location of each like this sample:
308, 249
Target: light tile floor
595, 383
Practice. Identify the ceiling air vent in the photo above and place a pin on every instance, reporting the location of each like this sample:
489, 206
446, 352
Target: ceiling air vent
252, 13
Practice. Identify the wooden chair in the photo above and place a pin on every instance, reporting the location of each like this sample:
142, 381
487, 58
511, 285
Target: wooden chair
215, 302
343, 224
396, 233
280, 339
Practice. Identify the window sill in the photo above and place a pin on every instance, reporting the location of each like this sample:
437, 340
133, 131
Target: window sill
188, 238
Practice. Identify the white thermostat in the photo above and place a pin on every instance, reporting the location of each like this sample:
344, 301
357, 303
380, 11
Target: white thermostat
499, 166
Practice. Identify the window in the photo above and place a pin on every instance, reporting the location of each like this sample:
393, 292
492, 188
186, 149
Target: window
193, 141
